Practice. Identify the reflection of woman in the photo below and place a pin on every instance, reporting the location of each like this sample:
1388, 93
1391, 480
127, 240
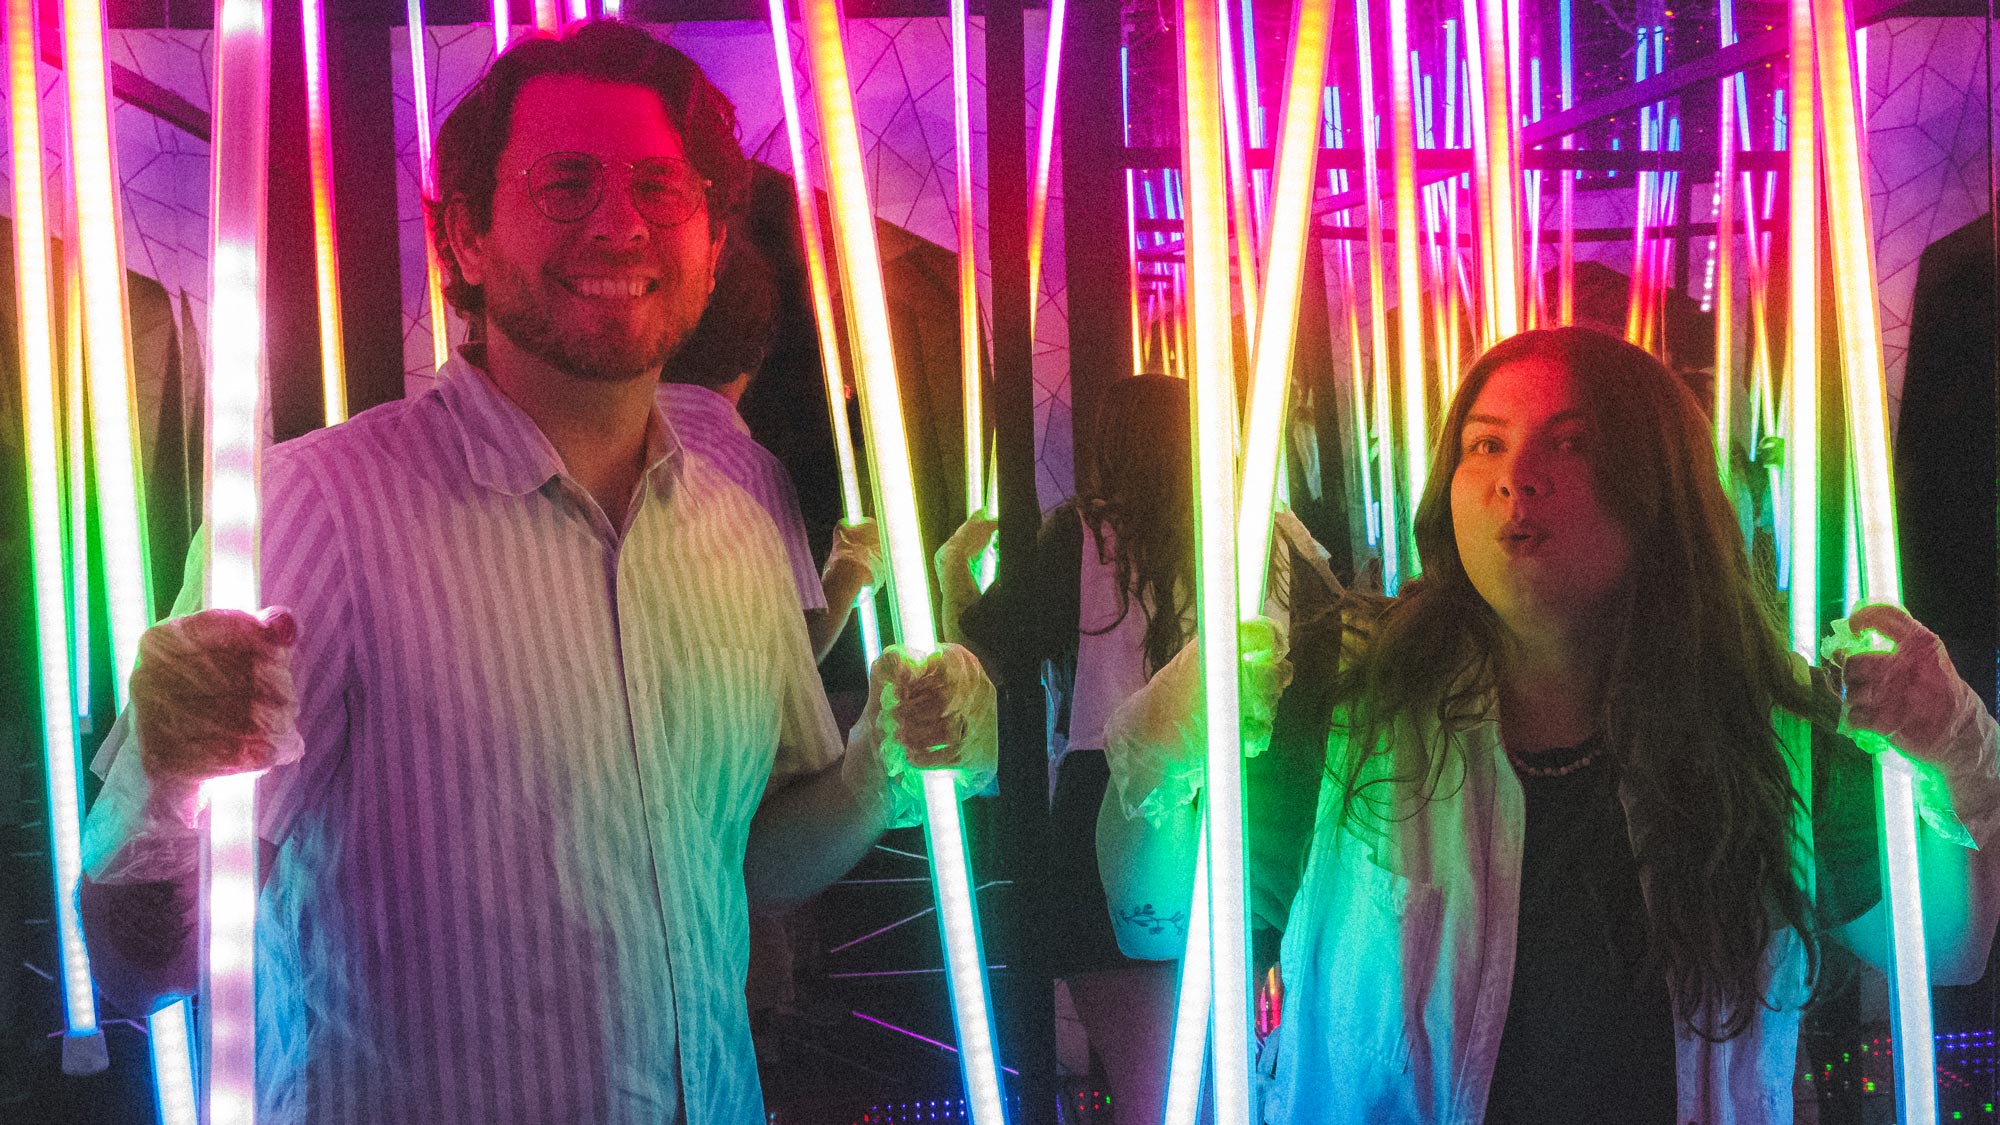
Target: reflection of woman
1583, 826
1110, 604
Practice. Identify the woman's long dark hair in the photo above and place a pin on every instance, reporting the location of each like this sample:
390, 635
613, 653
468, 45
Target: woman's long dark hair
1687, 705
1141, 488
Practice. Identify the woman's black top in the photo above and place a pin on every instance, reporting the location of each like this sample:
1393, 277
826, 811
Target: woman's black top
1589, 1034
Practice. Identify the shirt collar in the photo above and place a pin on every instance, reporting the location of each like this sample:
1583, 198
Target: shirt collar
504, 449
699, 404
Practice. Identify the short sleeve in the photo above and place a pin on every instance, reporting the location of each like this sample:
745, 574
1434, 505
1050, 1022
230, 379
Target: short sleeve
1034, 614
303, 568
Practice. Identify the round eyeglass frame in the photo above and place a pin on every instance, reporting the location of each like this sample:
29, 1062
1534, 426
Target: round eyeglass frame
697, 201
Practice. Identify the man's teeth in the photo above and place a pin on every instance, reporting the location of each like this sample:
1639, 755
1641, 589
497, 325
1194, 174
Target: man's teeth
608, 287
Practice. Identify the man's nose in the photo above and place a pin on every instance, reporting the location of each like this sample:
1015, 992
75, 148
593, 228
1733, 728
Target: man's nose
616, 218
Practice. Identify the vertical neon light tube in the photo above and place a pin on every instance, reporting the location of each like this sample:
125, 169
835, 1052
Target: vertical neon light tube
236, 400
170, 1029
1642, 211
1802, 374
548, 16
969, 365
1725, 285
1131, 209
614, 9
114, 437
1409, 277
1337, 185
1503, 180
1242, 212
1858, 312
326, 254
1045, 145
420, 111
1253, 109
1212, 395
579, 10
502, 27
84, 1050
76, 426
1538, 311
896, 506
1386, 487
824, 320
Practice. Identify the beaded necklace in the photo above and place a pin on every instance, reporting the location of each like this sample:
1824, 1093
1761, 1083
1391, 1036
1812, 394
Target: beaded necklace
1523, 763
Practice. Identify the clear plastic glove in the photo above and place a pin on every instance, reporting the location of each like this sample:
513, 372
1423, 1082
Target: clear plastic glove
1156, 743
936, 713
967, 543
1899, 689
211, 696
859, 545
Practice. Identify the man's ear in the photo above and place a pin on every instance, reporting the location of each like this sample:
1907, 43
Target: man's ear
467, 244
715, 256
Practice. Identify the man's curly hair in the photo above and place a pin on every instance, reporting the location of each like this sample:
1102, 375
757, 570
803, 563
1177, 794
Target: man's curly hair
473, 136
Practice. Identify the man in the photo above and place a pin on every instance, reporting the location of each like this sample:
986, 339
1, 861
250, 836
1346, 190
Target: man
557, 713
705, 381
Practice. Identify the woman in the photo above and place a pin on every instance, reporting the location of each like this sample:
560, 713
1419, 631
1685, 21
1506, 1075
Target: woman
1577, 846
1110, 603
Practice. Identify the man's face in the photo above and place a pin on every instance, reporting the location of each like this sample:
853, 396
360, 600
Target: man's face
608, 296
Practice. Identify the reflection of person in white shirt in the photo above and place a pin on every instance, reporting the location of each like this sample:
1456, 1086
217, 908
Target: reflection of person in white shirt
1583, 822
705, 380
540, 722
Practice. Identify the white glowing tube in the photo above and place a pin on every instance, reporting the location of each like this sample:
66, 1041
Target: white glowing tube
1212, 394
236, 396
1409, 279
824, 320
881, 408
420, 112
1387, 489
1858, 314
173, 1077
1503, 205
502, 27
1802, 374
83, 1048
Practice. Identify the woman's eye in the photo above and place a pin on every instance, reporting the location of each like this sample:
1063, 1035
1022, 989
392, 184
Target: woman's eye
1482, 445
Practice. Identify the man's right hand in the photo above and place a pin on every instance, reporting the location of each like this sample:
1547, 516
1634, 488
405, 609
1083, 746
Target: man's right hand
212, 695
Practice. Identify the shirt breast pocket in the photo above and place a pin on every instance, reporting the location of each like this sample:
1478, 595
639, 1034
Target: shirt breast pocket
726, 711
1385, 959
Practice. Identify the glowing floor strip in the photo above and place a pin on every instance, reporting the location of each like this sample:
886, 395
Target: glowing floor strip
881, 409
99, 234
828, 325
420, 111
326, 255
83, 1042
1212, 395
1858, 315
235, 397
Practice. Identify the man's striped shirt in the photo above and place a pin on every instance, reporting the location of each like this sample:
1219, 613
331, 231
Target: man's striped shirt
509, 884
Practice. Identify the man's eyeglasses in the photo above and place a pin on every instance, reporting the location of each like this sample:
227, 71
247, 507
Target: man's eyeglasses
567, 186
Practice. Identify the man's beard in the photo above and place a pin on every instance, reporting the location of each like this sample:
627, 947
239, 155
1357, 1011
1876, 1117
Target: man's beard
606, 352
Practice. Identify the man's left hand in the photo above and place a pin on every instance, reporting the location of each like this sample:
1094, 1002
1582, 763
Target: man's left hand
935, 713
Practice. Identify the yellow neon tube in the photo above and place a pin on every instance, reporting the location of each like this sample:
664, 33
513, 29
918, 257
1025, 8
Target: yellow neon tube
881, 410
326, 255
99, 233
1858, 314
427, 177
1409, 275
1212, 395
83, 1048
1502, 218
828, 325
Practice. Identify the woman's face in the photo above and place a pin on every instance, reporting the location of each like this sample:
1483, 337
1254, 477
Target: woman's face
1535, 539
